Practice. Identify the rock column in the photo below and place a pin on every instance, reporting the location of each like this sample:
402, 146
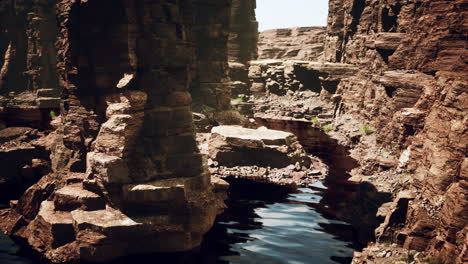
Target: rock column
127, 177
210, 88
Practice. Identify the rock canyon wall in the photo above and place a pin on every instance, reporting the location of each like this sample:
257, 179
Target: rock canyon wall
126, 174
104, 104
302, 43
413, 89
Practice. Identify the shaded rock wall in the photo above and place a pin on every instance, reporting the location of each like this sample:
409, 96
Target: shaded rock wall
225, 31
413, 89
127, 177
303, 43
28, 62
242, 45
243, 35
211, 31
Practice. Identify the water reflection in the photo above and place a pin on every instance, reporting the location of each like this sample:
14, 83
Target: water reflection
273, 224
264, 224
9, 252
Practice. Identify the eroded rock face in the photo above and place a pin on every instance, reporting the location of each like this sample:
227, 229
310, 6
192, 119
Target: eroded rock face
259, 154
279, 77
127, 176
210, 87
24, 159
243, 34
303, 43
29, 88
231, 146
412, 93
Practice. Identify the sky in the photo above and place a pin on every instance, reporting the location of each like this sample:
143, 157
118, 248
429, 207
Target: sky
291, 13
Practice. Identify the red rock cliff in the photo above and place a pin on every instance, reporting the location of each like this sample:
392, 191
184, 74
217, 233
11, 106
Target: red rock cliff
413, 88
127, 176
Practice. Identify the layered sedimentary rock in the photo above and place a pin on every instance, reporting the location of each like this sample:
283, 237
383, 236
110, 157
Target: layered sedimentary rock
225, 31
279, 77
210, 87
24, 159
302, 43
28, 79
259, 154
242, 45
127, 177
413, 90
243, 33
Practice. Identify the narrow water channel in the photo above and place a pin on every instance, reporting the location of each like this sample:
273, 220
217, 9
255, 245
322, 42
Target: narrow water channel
268, 224
264, 224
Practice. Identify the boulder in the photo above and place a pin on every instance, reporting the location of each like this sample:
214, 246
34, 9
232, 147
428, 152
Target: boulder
236, 146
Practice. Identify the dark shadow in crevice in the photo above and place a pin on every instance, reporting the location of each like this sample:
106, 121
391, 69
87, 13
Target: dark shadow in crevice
390, 18
385, 54
353, 203
356, 12
390, 90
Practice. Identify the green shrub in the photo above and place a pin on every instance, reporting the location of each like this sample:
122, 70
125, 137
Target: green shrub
237, 100
52, 114
386, 242
315, 121
367, 129
327, 128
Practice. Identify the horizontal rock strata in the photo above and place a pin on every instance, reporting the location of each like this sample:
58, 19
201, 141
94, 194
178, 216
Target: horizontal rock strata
126, 176
303, 43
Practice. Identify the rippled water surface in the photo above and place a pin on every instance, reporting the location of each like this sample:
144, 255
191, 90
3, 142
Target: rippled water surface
264, 224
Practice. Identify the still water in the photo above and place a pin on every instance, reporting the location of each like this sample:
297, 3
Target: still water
268, 224
264, 224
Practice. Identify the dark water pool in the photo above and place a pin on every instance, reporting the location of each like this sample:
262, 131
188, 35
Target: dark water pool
267, 224
9, 252
264, 224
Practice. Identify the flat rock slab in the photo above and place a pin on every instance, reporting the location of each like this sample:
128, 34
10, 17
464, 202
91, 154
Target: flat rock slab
236, 146
104, 221
53, 217
240, 136
51, 228
151, 193
75, 196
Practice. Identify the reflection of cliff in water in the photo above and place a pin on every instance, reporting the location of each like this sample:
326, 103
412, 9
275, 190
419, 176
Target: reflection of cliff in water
343, 200
354, 203
267, 223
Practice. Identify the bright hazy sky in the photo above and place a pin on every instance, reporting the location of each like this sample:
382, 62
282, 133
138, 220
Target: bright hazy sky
291, 13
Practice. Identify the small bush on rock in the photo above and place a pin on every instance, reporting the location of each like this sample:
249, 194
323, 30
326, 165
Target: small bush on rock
367, 129
409, 258
315, 121
237, 100
52, 114
327, 128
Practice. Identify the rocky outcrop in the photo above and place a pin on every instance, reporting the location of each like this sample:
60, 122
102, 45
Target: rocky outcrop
412, 89
127, 177
27, 59
24, 159
278, 77
29, 88
303, 43
260, 154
